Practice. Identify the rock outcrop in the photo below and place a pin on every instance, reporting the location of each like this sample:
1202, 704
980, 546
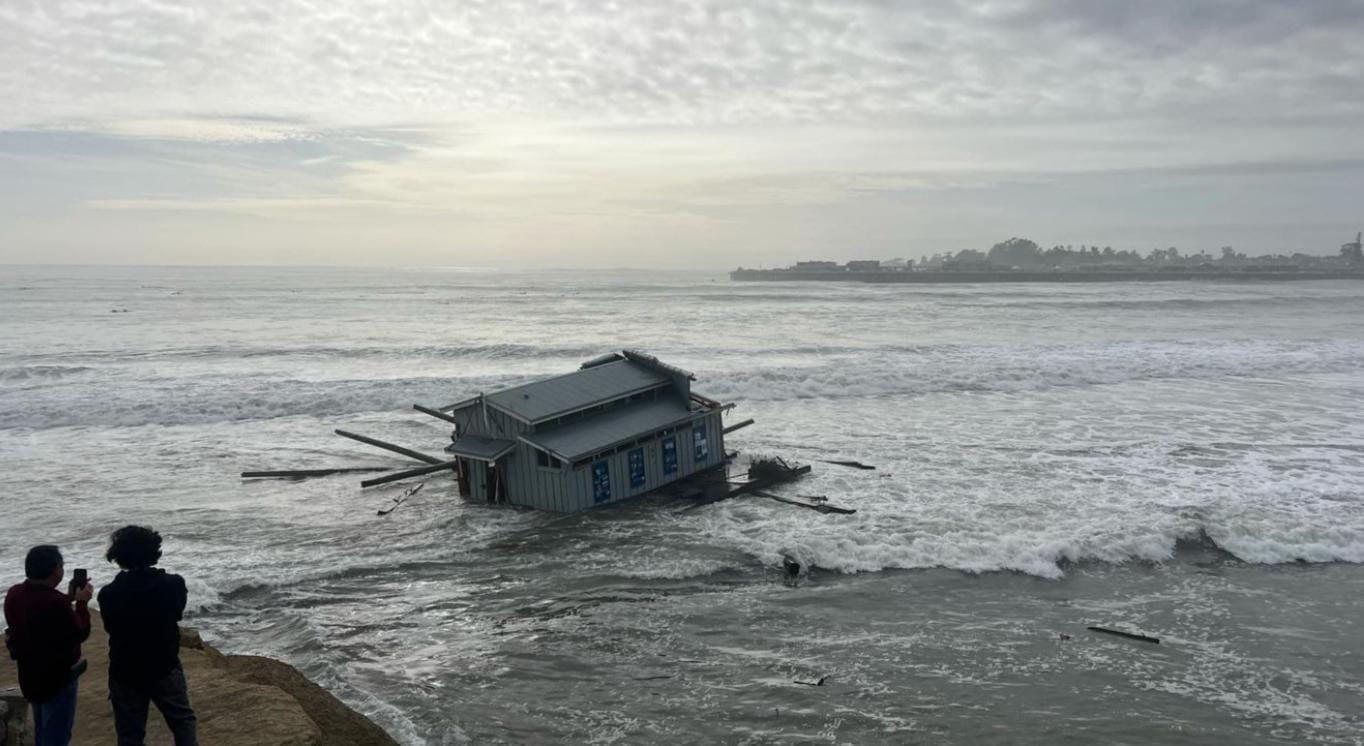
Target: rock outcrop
240, 700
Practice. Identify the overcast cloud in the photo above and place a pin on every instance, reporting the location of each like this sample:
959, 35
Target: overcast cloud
682, 133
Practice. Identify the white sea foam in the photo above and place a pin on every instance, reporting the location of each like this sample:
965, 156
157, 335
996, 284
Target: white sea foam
1014, 430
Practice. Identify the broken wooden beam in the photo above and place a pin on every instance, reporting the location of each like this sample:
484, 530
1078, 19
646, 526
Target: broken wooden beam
737, 426
816, 506
771, 477
301, 473
409, 492
853, 464
1128, 635
817, 682
435, 413
409, 473
408, 452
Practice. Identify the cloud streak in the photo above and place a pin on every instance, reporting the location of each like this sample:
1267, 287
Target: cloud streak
598, 120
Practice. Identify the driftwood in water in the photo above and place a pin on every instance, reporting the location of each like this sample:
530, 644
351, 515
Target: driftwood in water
774, 470
853, 464
435, 413
301, 473
409, 492
762, 473
409, 473
737, 426
408, 452
1128, 635
817, 506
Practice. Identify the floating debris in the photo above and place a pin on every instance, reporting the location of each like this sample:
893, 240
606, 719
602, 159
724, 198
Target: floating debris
1128, 635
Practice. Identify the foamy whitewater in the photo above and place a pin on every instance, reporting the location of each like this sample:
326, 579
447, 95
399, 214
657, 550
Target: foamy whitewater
1180, 459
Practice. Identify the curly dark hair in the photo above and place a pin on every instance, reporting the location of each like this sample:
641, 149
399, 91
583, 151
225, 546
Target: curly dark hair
134, 547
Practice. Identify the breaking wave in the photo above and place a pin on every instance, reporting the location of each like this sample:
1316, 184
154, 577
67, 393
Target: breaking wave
1025, 368
1049, 556
830, 373
40, 372
195, 402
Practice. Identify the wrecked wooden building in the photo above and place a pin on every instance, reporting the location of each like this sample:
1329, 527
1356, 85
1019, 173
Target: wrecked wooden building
620, 426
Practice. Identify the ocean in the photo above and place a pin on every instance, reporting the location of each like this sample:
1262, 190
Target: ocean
1183, 460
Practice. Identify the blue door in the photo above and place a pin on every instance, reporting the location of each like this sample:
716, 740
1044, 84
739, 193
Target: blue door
637, 468
601, 482
669, 445
698, 439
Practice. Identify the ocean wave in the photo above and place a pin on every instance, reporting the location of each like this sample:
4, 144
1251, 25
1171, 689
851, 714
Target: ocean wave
211, 400
1027, 368
40, 372
237, 352
813, 373
869, 542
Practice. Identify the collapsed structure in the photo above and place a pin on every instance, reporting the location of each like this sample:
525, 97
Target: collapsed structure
622, 425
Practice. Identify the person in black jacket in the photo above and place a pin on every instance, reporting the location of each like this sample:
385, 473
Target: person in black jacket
141, 608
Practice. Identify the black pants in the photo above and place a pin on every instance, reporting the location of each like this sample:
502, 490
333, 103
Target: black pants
169, 693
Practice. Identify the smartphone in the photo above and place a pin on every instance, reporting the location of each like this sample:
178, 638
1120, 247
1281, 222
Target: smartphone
79, 578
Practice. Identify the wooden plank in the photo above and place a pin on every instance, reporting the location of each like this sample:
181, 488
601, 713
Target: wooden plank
409, 473
1128, 635
435, 413
818, 506
300, 473
852, 464
389, 446
409, 492
737, 426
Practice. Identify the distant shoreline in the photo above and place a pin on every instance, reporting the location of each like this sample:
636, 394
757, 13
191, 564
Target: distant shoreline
1049, 276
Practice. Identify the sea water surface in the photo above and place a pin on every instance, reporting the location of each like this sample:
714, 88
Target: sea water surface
1184, 460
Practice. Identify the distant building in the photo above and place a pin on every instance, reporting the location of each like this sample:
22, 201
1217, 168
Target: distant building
1354, 252
817, 266
622, 425
864, 265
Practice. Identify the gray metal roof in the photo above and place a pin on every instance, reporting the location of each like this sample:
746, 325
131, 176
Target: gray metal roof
478, 447
552, 397
586, 437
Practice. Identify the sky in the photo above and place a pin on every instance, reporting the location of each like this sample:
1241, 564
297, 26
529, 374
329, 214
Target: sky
672, 134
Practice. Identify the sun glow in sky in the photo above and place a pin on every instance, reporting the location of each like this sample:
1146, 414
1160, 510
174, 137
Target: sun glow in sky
679, 134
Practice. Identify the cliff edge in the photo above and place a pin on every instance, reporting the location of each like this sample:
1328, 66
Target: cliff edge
240, 700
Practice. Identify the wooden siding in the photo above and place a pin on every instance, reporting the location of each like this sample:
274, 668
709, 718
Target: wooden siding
478, 491
530, 484
567, 490
502, 426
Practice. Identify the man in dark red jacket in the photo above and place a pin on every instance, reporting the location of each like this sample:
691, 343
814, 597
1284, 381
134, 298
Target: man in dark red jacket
44, 636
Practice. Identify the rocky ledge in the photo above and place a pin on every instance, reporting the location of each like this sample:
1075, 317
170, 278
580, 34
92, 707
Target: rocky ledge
240, 700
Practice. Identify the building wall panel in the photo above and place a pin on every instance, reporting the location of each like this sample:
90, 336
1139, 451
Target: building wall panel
568, 490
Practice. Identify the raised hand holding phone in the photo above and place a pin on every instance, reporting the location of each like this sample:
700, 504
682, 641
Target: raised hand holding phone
80, 590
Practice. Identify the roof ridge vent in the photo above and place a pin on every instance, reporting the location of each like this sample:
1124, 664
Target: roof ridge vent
610, 357
653, 363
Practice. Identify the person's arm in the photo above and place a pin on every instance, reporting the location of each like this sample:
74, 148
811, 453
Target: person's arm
109, 611
80, 615
181, 597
